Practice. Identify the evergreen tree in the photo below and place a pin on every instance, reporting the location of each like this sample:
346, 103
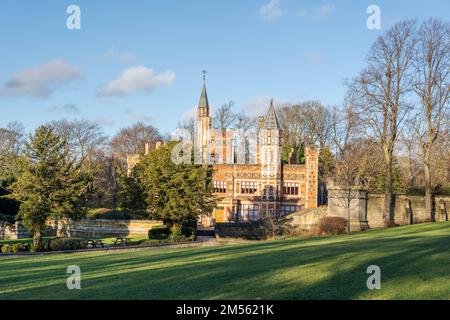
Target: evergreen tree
131, 195
50, 185
175, 193
297, 149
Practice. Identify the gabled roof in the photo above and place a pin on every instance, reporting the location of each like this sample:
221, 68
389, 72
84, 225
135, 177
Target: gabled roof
271, 120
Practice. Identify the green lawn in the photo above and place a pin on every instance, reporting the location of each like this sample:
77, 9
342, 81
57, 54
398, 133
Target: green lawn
414, 262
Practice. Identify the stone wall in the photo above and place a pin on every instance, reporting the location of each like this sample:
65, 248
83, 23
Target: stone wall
408, 210
13, 231
105, 228
252, 231
367, 210
306, 220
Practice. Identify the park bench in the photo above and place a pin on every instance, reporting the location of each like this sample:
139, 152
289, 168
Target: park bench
94, 243
122, 241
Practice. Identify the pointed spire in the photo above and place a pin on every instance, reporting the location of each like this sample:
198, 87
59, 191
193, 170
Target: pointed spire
203, 103
271, 120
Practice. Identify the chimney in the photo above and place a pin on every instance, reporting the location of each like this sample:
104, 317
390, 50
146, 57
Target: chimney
147, 148
260, 121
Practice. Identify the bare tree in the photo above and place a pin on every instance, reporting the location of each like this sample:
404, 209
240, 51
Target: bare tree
12, 138
292, 121
355, 163
432, 86
318, 120
188, 130
224, 116
383, 88
274, 222
243, 122
132, 140
85, 138
440, 160
408, 145
351, 169
306, 123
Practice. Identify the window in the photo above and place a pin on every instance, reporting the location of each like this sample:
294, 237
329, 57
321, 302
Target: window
249, 187
220, 186
290, 188
289, 209
248, 212
268, 191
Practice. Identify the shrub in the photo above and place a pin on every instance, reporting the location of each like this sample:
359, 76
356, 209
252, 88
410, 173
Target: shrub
15, 247
190, 223
62, 244
172, 239
178, 239
159, 233
331, 225
189, 232
20, 247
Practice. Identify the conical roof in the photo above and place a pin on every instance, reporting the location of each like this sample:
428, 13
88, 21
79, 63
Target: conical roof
203, 103
271, 120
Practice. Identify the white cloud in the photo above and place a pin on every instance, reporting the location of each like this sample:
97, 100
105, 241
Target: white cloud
137, 79
67, 108
258, 106
190, 114
271, 11
41, 81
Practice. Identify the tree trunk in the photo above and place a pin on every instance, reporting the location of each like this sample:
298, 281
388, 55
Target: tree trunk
349, 212
428, 191
177, 228
388, 193
37, 239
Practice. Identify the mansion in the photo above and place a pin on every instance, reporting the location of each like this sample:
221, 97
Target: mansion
246, 190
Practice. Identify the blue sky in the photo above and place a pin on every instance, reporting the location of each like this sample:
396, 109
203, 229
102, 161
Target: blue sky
142, 60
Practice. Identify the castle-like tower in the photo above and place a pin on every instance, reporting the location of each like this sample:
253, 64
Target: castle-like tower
203, 124
270, 159
213, 146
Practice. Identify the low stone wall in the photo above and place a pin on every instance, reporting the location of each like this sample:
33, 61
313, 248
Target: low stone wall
251, 231
367, 210
13, 231
105, 228
306, 220
408, 210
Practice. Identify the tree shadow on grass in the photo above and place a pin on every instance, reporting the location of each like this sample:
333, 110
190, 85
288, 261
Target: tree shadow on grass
291, 269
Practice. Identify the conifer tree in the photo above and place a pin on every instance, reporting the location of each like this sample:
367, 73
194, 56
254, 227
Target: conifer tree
175, 193
50, 184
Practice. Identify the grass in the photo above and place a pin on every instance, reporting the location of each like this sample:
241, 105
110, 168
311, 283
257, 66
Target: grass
414, 262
